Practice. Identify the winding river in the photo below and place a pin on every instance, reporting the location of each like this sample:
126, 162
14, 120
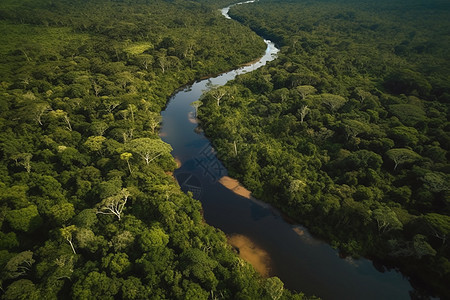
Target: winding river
274, 246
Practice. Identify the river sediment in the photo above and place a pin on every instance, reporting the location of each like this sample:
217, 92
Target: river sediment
274, 246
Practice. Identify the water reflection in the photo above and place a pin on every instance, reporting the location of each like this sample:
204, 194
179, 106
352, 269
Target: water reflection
272, 244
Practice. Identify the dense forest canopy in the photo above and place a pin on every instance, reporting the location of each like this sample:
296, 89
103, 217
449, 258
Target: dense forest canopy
348, 130
88, 206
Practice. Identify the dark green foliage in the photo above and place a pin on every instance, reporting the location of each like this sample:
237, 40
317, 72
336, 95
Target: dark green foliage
347, 131
88, 208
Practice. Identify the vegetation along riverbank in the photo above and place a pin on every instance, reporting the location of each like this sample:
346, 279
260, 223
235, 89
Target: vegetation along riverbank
348, 130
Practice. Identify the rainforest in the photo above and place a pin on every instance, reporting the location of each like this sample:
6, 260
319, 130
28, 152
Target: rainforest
346, 132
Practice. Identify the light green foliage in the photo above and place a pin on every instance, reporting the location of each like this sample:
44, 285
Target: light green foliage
348, 100
121, 241
132, 288
61, 213
95, 143
404, 136
437, 181
153, 238
196, 105
332, 102
19, 264
353, 128
116, 263
409, 114
15, 195
8, 240
386, 219
96, 285
86, 239
306, 90
22, 289
438, 225
86, 218
402, 155
274, 287
199, 267
24, 160
149, 149
67, 233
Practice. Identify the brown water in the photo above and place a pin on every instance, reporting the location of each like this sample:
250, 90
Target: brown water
274, 246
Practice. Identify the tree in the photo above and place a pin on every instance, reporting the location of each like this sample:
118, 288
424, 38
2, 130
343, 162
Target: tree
98, 128
421, 247
132, 288
114, 205
86, 239
95, 143
404, 136
126, 156
96, 286
110, 105
274, 287
26, 219
19, 264
402, 155
218, 93
154, 119
122, 240
149, 149
97, 88
197, 265
304, 110
62, 114
439, 225
437, 181
67, 234
297, 186
353, 128
333, 102
196, 105
38, 110
22, 289
23, 159
163, 61
62, 212
387, 219
362, 94
64, 267
409, 114
305, 90
153, 238
116, 263
145, 60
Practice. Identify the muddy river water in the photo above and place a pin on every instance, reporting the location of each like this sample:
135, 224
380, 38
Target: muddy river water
264, 238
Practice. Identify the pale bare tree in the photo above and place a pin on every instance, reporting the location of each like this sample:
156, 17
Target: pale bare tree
218, 94
67, 234
304, 110
38, 110
114, 205
196, 105
24, 160
154, 120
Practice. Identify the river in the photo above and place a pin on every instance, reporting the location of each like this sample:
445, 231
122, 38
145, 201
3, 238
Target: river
274, 246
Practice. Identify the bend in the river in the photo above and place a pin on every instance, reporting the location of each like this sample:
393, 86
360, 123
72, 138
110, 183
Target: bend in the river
264, 238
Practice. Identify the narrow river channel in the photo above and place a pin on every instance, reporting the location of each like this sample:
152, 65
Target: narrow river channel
274, 246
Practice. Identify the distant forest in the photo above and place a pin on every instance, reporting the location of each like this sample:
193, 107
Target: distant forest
88, 206
348, 130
